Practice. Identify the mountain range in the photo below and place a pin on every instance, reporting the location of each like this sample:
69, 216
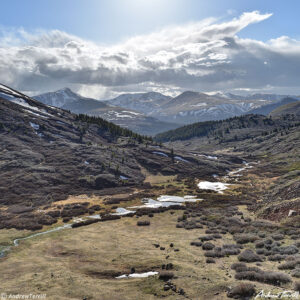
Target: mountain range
123, 116
152, 113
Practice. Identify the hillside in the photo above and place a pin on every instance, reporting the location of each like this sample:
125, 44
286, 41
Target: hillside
58, 154
232, 129
272, 142
268, 108
287, 109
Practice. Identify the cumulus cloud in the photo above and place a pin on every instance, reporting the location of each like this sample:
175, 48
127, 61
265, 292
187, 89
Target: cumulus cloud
203, 56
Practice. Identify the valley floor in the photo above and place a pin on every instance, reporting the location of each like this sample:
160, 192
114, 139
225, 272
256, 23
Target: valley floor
83, 263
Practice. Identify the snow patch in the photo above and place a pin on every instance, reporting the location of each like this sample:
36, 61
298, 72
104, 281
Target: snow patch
23, 103
160, 153
214, 186
120, 211
180, 159
166, 201
34, 126
137, 275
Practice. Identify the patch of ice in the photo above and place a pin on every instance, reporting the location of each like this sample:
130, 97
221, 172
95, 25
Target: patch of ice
137, 275
160, 153
214, 186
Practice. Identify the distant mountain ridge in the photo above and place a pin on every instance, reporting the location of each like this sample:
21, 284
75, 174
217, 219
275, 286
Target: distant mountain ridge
124, 117
190, 107
142, 102
292, 108
152, 112
266, 109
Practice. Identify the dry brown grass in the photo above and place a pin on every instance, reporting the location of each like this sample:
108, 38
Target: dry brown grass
82, 262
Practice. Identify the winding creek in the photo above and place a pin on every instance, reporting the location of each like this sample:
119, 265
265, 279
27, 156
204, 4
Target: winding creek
162, 201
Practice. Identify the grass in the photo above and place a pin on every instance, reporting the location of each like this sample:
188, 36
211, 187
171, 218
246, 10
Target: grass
82, 262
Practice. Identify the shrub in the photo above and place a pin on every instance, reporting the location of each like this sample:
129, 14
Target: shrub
290, 265
143, 223
217, 236
288, 250
259, 244
273, 278
260, 251
166, 275
277, 237
230, 251
276, 257
210, 261
214, 253
297, 286
241, 291
208, 246
245, 238
249, 256
211, 230
232, 246
296, 273
206, 238
197, 244
238, 266
109, 218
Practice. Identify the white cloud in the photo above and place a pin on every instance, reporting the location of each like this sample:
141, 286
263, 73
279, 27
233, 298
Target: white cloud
204, 56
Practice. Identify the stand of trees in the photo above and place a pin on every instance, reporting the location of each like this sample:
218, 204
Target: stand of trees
113, 129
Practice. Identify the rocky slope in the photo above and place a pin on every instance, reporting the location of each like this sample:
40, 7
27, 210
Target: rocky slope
49, 153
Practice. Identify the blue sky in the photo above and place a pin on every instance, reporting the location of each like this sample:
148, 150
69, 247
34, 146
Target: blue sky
101, 48
108, 21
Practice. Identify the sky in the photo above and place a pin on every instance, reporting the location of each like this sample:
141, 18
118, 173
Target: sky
101, 48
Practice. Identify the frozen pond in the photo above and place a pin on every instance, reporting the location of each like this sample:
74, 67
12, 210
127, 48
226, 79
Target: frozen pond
214, 186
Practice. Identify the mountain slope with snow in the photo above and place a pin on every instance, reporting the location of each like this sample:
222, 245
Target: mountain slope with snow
143, 102
124, 117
